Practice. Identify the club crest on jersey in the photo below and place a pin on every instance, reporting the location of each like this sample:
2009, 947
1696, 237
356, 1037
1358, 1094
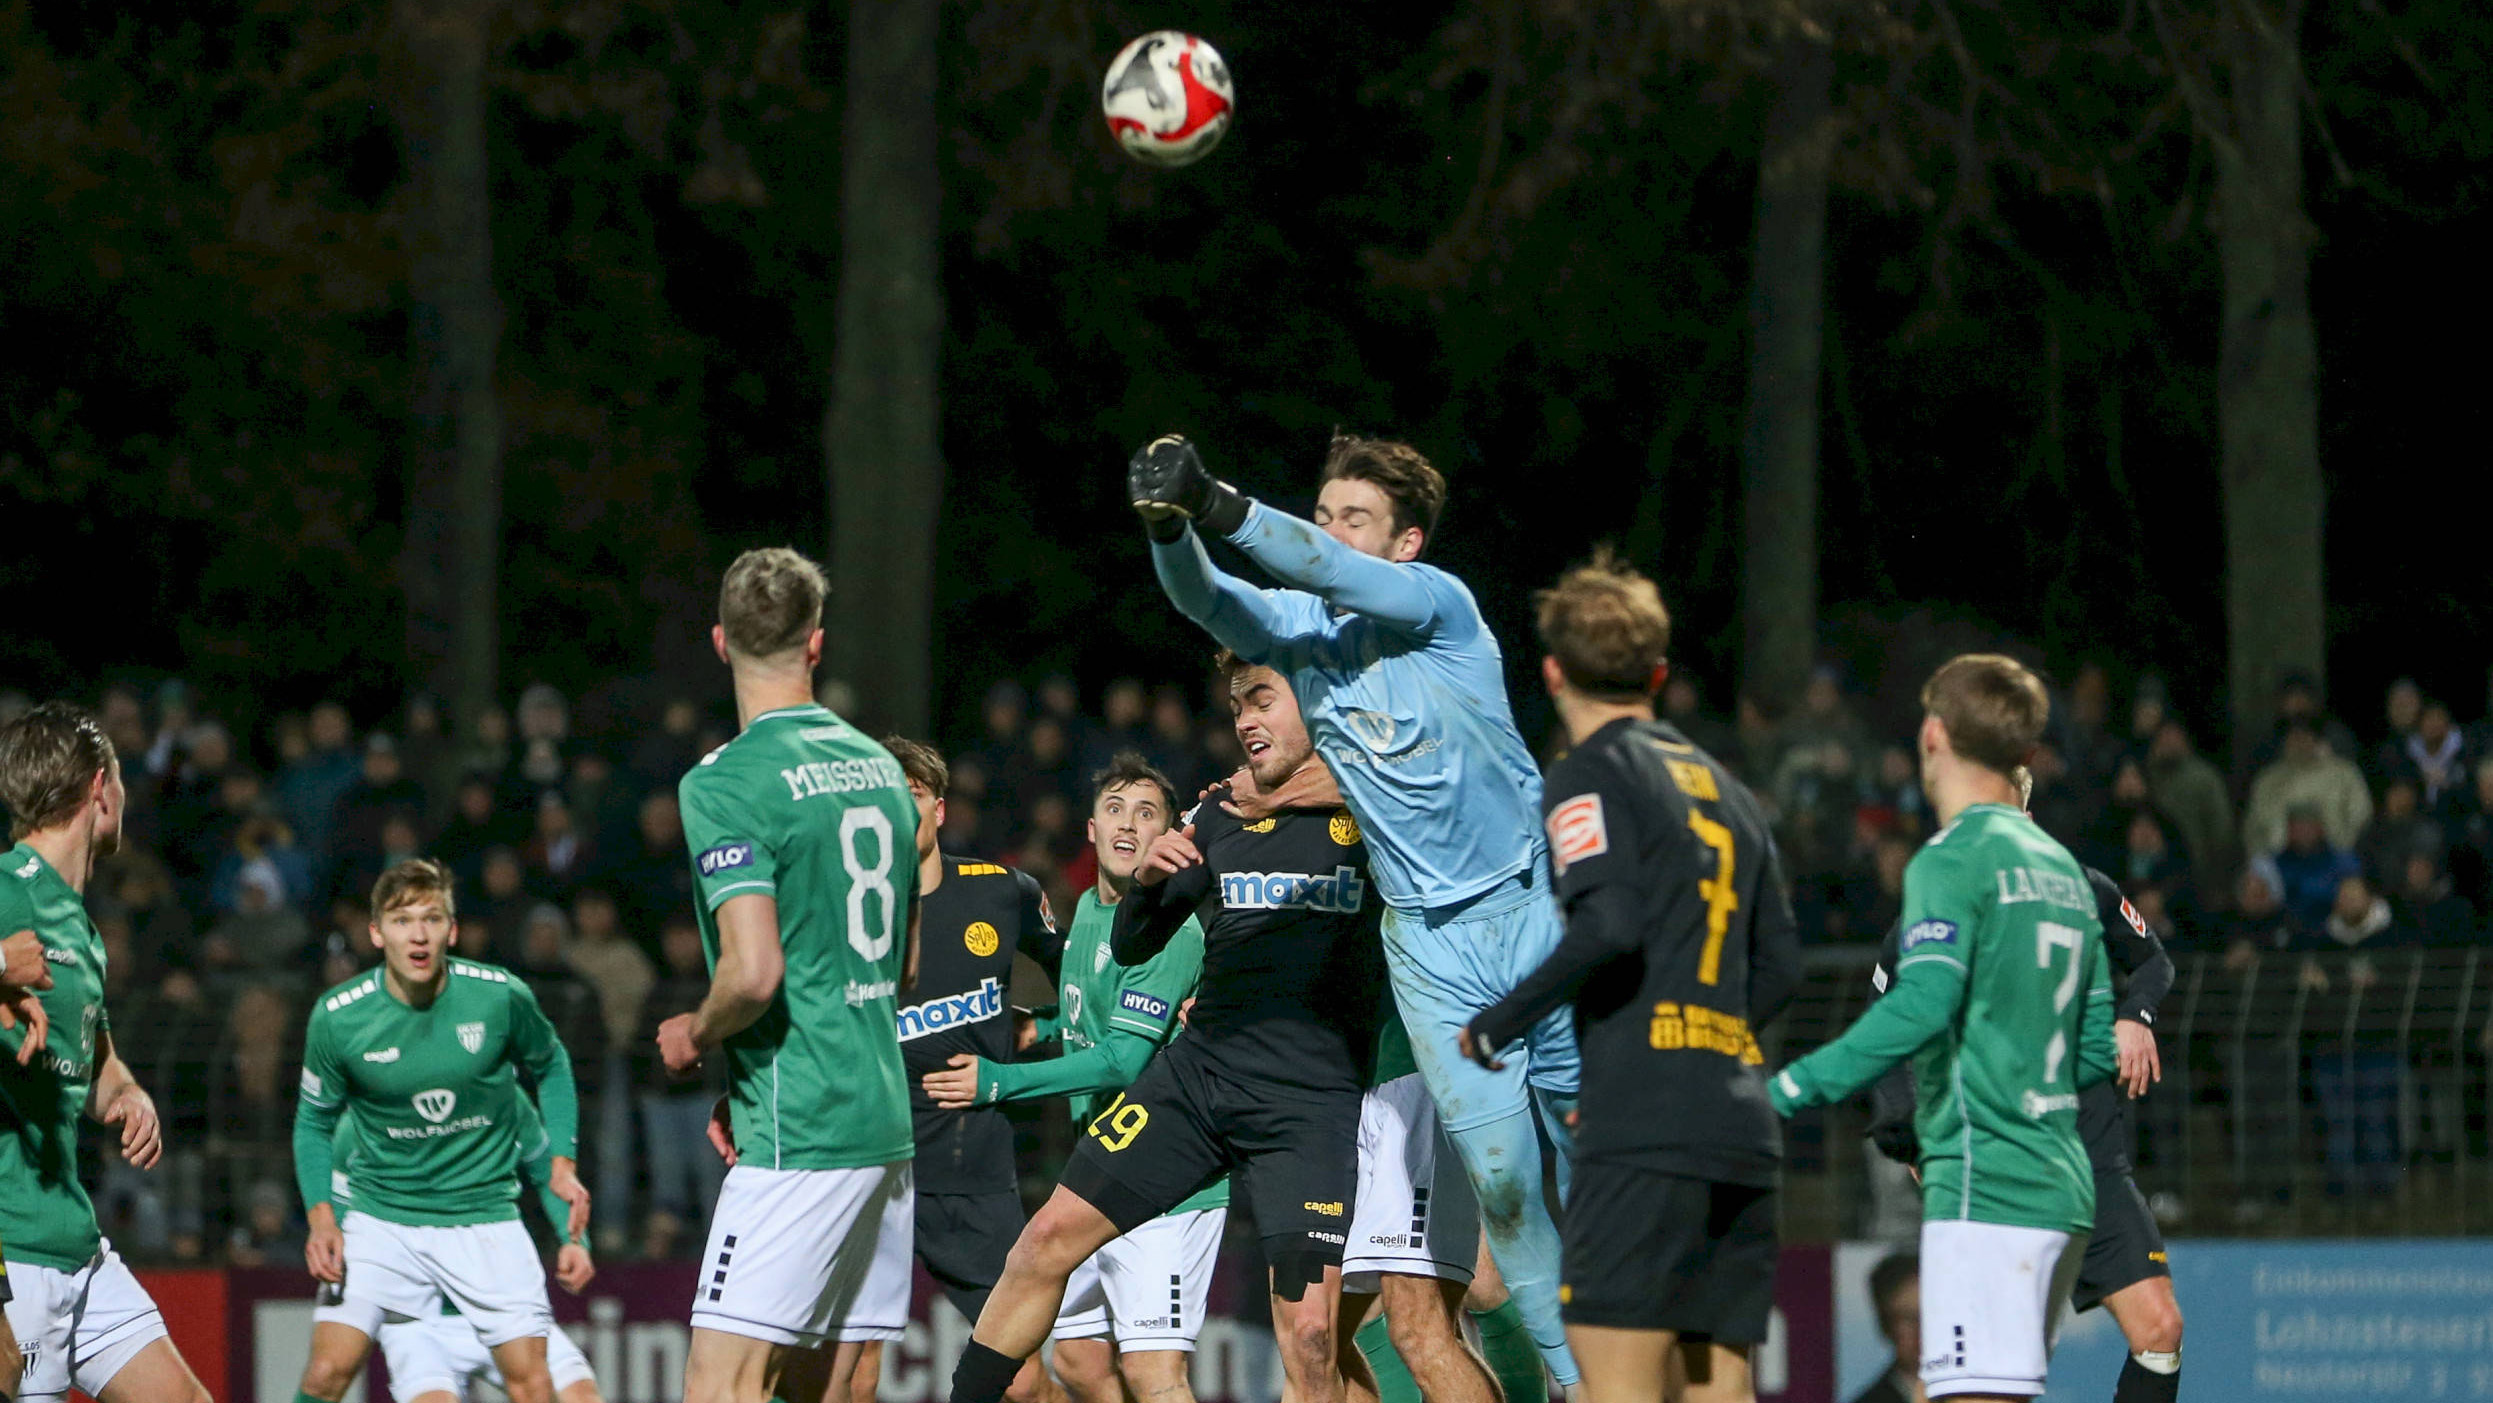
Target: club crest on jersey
1099, 958
472, 1036
726, 857
1375, 729
1577, 831
436, 1105
1932, 932
981, 939
951, 1011
1344, 828
1136, 1001
1339, 892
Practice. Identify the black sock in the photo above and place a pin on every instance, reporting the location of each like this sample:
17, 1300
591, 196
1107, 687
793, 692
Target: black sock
2140, 1384
982, 1375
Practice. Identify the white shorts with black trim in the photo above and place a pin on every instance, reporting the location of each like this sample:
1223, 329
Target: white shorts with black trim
1147, 1290
1415, 1214
406, 1272
78, 1328
1993, 1298
443, 1355
805, 1257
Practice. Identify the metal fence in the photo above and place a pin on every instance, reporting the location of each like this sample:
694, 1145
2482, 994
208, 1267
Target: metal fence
2325, 1094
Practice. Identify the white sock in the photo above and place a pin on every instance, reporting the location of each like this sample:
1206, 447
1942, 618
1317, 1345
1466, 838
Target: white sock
2158, 1361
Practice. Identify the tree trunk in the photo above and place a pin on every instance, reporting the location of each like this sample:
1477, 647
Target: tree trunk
1779, 445
880, 440
2267, 393
453, 544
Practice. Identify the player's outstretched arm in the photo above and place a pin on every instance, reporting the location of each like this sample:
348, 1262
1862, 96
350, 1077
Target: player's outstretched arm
1927, 993
1402, 597
1893, 1101
1241, 617
1599, 893
1111, 1064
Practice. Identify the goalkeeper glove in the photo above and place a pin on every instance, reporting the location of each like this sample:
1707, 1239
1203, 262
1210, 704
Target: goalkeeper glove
1169, 485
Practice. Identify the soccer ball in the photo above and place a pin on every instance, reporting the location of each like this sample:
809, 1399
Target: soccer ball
1168, 99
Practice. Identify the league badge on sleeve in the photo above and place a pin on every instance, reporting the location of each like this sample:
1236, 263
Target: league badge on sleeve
2130, 914
1577, 831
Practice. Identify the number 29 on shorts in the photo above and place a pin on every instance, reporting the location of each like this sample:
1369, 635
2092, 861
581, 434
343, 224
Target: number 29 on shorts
1117, 1126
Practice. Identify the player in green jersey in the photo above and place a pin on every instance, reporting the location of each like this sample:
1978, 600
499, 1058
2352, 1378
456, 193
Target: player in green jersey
803, 839
2003, 1001
427, 1051
22, 977
81, 1318
1144, 1294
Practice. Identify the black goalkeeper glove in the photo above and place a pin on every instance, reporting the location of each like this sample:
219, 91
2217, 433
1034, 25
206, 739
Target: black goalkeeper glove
1169, 485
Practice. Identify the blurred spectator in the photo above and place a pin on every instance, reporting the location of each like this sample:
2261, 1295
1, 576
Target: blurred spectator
2400, 709
963, 831
2108, 837
998, 753
166, 753
485, 747
1887, 864
269, 1234
1124, 710
2311, 867
2436, 754
262, 840
477, 825
1175, 747
557, 855
262, 937
2396, 829
2356, 1075
2471, 844
310, 789
611, 963
194, 806
2056, 805
2359, 918
1048, 764
1683, 705
424, 749
661, 757
1898, 789
2191, 793
2148, 710
2307, 776
399, 841
1761, 742
162, 935
2086, 740
382, 788
1826, 718
1896, 1294
1060, 701
2429, 905
2298, 700
252, 1115
492, 929
684, 1173
541, 767
544, 715
2260, 924
2148, 856
651, 879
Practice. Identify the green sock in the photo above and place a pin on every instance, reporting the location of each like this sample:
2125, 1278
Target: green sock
1512, 1356
307, 1398
1394, 1383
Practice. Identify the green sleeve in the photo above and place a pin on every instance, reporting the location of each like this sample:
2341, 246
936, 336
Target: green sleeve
729, 858
316, 1116
542, 1054
1047, 1024
1150, 994
2098, 1055
536, 1167
1111, 1065
1934, 949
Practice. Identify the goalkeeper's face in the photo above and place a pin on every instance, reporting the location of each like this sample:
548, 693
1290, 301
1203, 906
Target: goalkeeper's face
1125, 820
1270, 728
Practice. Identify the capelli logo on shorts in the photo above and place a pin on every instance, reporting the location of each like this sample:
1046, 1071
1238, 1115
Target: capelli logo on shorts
1330, 1210
726, 857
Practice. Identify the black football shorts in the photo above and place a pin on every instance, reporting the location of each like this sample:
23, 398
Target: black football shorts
1647, 1250
963, 1240
2125, 1248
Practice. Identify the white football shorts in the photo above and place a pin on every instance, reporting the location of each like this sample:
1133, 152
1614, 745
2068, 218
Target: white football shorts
78, 1328
443, 1354
1993, 1298
808, 1256
1415, 1214
1147, 1290
405, 1271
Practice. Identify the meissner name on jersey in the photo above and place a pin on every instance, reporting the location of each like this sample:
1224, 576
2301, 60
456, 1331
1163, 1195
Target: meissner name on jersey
952, 1010
1340, 891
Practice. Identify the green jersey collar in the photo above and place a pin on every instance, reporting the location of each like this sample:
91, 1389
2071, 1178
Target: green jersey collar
816, 709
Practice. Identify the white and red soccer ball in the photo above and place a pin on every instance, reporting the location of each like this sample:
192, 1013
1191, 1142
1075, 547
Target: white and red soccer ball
1168, 98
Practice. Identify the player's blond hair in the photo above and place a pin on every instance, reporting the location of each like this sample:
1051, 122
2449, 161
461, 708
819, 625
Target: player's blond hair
410, 880
1606, 625
1992, 706
771, 602
49, 759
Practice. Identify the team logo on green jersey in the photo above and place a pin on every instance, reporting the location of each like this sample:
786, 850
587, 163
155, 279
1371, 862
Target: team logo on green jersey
436, 1105
472, 1036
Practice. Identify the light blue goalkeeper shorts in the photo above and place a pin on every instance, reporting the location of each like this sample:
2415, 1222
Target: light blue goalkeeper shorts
1449, 965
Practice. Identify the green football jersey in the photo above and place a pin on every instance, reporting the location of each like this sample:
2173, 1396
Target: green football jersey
536, 1168
2002, 900
1095, 994
45, 1214
435, 1093
807, 809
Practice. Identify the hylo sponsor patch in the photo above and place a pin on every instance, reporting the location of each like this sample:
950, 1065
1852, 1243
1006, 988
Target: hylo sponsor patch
1136, 1001
1932, 932
725, 857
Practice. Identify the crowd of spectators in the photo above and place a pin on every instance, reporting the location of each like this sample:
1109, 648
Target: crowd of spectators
239, 891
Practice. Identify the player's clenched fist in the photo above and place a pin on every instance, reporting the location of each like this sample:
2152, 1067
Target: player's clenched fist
1169, 485
324, 1252
1170, 853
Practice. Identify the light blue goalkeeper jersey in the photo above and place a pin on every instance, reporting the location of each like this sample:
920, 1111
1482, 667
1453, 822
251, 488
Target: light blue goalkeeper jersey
1404, 691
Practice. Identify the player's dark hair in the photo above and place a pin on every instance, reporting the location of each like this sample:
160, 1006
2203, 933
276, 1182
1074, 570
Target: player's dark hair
49, 759
1992, 706
922, 763
410, 880
1890, 1275
771, 602
1129, 767
1606, 626
1409, 481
